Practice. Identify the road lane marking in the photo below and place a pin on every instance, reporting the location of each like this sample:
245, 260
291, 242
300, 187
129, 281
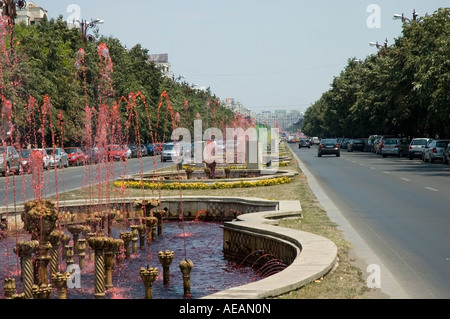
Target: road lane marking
385, 172
432, 189
372, 168
405, 179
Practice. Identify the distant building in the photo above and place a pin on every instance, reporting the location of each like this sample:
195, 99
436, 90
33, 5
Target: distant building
280, 118
162, 62
236, 107
31, 14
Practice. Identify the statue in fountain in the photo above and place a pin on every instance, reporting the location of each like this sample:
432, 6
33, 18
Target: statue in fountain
148, 276
165, 258
186, 267
39, 219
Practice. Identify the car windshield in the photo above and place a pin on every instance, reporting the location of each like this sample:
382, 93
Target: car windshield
441, 143
168, 147
50, 151
71, 150
25, 154
329, 141
390, 142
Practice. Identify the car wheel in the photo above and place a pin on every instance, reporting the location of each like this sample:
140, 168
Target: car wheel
384, 155
7, 170
338, 155
320, 155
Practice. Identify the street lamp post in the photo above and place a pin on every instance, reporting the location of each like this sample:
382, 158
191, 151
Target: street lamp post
405, 19
85, 26
378, 45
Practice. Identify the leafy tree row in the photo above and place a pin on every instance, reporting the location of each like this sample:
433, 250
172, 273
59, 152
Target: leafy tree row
53, 80
402, 90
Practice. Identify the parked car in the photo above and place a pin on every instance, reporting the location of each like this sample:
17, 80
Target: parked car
9, 160
434, 151
344, 143
376, 145
154, 148
357, 144
304, 142
25, 161
58, 157
369, 146
117, 152
328, 146
380, 144
417, 146
95, 155
76, 156
171, 152
134, 150
144, 151
45, 157
394, 147
446, 154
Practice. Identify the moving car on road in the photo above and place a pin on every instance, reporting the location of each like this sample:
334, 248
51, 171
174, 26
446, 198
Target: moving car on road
304, 142
329, 146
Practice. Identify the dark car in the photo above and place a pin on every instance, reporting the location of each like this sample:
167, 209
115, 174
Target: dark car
344, 142
446, 154
304, 142
154, 148
357, 144
395, 147
328, 146
134, 150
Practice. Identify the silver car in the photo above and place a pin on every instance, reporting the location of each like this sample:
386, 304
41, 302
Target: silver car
58, 157
9, 160
434, 151
417, 146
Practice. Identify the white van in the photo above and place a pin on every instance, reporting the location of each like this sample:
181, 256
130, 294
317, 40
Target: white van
315, 140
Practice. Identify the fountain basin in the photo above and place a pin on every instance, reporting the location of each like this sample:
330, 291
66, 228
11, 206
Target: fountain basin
250, 225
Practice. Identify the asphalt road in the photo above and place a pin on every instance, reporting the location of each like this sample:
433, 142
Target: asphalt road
17, 189
395, 211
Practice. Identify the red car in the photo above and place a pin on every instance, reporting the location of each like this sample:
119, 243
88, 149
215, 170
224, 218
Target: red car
76, 156
118, 152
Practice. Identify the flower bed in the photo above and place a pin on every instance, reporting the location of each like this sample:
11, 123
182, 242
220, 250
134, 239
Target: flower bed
201, 185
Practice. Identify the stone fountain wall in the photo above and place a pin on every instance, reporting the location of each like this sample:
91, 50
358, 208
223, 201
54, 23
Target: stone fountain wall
210, 208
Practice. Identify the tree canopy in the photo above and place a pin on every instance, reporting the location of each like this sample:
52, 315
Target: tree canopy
402, 90
56, 89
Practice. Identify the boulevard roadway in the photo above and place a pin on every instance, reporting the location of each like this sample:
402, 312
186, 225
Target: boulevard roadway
17, 189
396, 213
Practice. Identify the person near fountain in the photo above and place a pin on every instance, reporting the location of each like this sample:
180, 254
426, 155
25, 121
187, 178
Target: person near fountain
209, 155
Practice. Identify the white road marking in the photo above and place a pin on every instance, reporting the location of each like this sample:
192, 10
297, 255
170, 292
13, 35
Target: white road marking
432, 189
385, 172
405, 179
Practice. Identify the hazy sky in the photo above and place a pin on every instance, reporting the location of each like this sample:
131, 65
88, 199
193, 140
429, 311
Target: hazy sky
267, 54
